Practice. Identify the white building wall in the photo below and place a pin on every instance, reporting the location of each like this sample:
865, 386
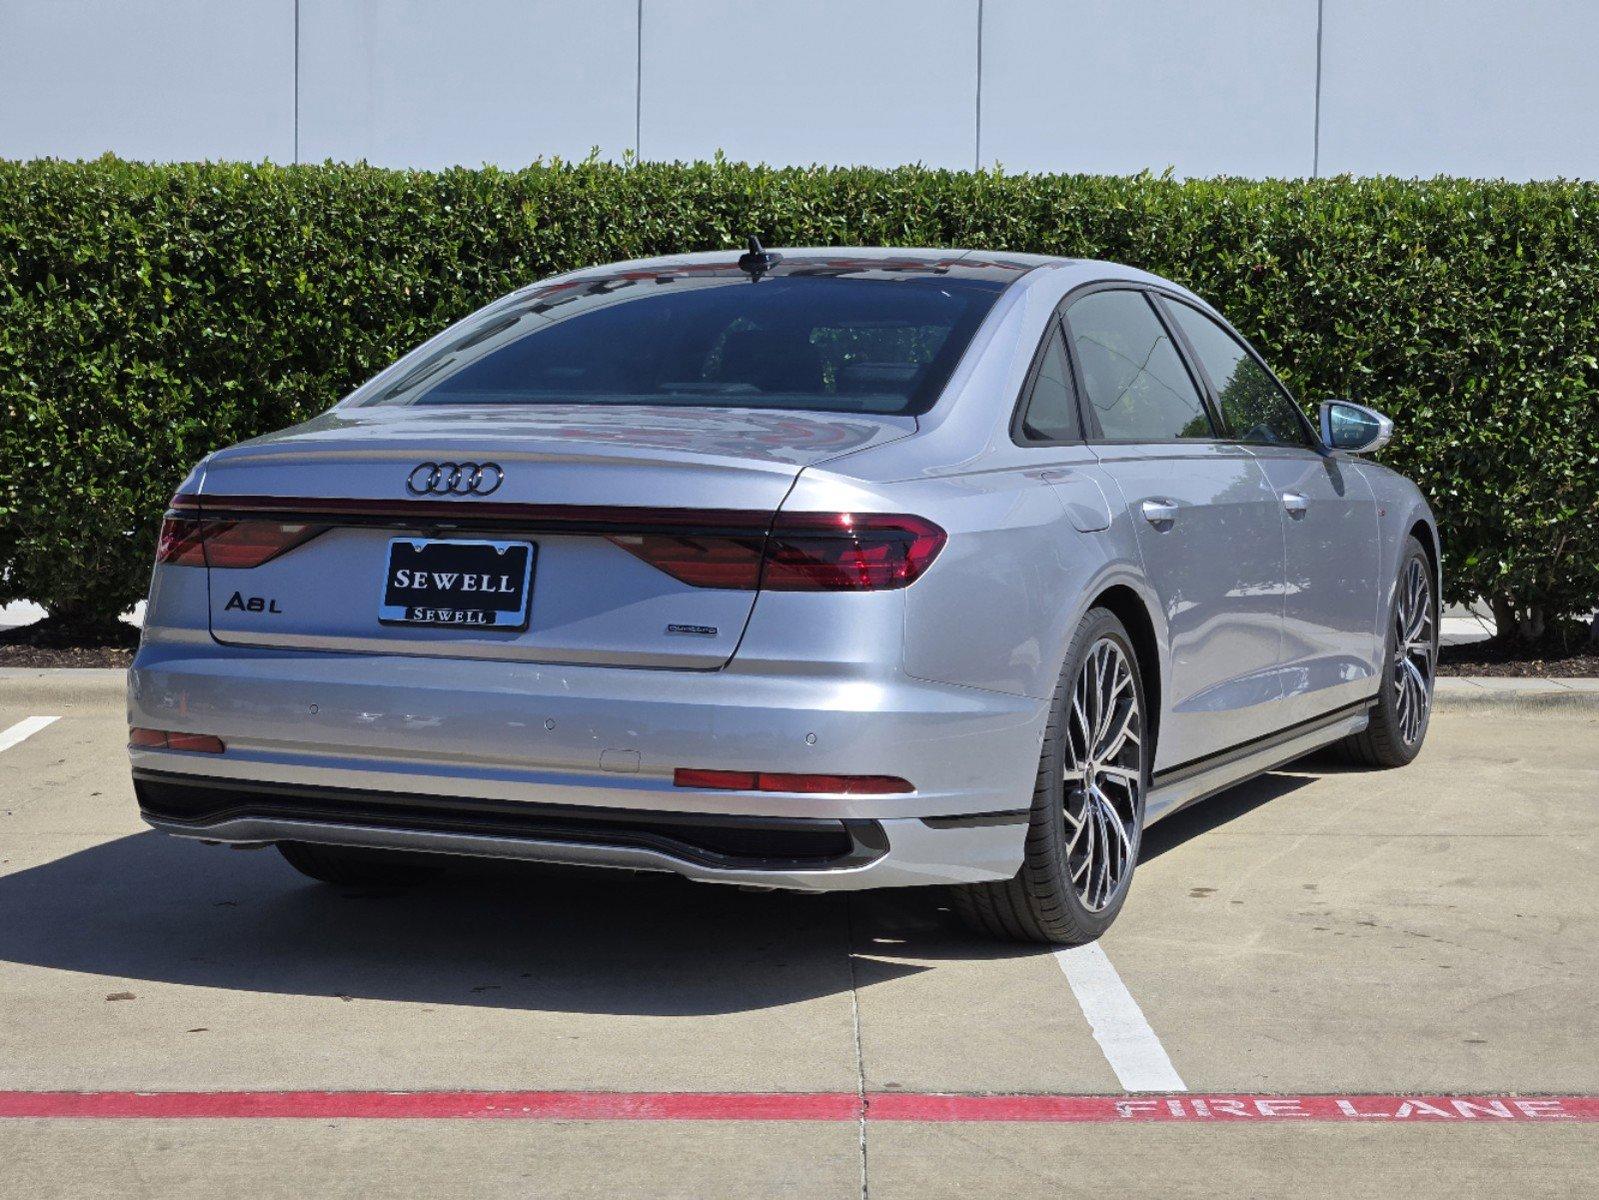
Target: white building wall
151, 79
1223, 87
1461, 87
1206, 87
420, 83
876, 82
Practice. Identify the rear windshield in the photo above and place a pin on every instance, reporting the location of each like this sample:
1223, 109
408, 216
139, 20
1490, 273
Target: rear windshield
861, 342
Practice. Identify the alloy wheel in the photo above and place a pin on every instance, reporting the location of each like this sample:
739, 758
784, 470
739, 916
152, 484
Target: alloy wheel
1104, 775
1415, 651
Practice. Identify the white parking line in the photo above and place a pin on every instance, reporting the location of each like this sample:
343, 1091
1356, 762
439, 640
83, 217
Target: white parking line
24, 728
1134, 1052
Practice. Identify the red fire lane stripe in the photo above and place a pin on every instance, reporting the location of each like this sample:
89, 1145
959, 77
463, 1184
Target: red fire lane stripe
536, 1106
804, 1106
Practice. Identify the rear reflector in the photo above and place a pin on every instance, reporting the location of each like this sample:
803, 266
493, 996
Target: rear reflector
804, 552
161, 739
774, 781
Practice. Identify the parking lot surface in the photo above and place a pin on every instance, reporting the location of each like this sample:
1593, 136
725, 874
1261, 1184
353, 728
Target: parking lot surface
1377, 983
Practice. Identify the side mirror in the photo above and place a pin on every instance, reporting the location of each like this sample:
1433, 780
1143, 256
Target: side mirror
1354, 427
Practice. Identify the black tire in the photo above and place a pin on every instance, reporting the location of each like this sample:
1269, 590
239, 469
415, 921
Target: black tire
349, 865
1042, 904
1383, 743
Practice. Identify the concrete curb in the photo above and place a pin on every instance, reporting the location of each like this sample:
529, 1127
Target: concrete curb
31, 687
48, 688
1468, 691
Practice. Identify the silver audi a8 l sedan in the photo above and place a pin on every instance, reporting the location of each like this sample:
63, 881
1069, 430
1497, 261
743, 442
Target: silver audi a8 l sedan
814, 569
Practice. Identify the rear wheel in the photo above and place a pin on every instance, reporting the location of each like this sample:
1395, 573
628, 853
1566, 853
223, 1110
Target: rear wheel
351, 865
1404, 704
1088, 802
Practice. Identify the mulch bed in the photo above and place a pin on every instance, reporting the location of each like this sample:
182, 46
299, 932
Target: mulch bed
1518, 661
73, 656
46, 644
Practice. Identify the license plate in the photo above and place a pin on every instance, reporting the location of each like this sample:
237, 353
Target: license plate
472, 585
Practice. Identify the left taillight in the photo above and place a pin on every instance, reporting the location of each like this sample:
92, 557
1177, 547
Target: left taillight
236, 545
191, 540
180, 542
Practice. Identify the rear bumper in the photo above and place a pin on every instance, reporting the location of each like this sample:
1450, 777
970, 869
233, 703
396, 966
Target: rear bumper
532, 742
814, 854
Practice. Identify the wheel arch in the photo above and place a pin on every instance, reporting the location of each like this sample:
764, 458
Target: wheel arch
1133, 613
1423, 531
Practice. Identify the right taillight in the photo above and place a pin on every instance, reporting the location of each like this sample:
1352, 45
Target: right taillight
708, 561
803, 552
842, 552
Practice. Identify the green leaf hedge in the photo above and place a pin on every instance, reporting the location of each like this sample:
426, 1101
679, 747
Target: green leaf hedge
149, 314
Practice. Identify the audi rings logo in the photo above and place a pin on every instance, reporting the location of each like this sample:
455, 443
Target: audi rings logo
454, 479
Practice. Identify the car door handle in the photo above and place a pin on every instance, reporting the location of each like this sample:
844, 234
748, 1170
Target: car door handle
1159, 512
1295, 503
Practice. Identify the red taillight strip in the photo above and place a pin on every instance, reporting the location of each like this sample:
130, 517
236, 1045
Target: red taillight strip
781, 781
535, 518
741, 549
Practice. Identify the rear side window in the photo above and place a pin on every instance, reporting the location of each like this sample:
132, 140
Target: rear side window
1135, 383
1051, 411
1252, 405
845, 340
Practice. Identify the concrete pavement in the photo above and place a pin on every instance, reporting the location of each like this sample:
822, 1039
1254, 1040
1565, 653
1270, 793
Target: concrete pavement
1318, 930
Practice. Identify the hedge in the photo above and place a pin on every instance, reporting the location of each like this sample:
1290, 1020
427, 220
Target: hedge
149, 314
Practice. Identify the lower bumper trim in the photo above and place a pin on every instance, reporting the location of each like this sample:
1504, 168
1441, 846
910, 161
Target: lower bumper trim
237, 811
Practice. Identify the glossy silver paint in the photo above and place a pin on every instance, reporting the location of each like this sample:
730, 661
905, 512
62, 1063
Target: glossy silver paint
1265, 577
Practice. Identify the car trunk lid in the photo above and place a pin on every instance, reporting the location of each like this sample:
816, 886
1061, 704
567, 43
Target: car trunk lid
354, 496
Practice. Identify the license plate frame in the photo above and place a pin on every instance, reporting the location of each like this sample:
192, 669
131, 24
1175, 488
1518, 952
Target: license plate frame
441, 605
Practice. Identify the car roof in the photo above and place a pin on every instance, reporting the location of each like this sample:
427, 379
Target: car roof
1013, 272
1000, 266
995, 265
